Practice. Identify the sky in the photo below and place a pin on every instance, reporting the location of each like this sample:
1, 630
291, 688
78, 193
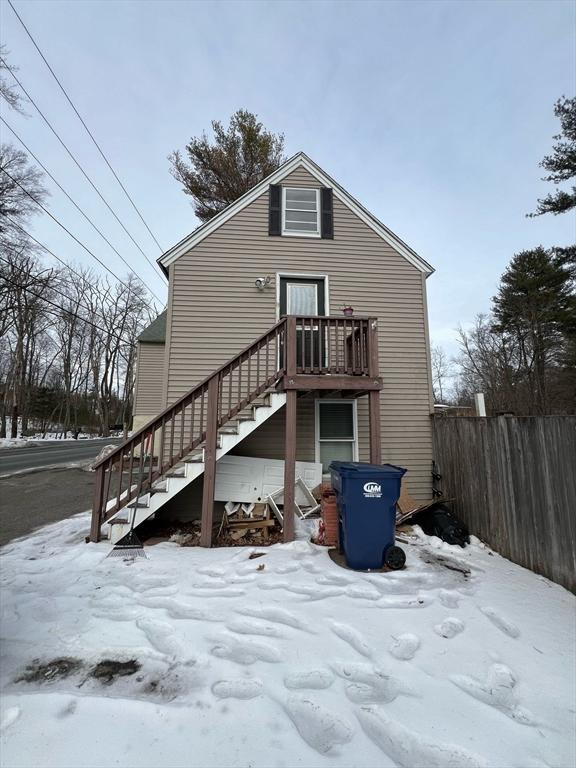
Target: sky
434, 115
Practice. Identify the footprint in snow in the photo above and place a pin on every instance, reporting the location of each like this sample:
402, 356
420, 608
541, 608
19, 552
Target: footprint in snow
500, 622
404, 647
253, 627
320, 728
160, 635
363, 592
333, 580
497, 691
179, 610
448, 598
407, 748
275, 616
237, 689
352, 637
449, 628
216, 592
368, 684
313, 680
9, 717
211, 571
244, 651
418, 601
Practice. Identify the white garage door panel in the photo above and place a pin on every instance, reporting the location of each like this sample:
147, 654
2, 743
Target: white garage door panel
246, 479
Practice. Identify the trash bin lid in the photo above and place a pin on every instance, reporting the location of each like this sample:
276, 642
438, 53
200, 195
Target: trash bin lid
361, 468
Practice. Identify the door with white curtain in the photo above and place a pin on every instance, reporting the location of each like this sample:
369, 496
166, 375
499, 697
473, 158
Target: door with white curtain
304, 296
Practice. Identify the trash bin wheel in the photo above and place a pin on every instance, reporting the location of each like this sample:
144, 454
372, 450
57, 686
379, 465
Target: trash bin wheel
395, 558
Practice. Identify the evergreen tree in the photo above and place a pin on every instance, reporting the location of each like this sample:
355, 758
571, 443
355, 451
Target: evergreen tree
561, 164
216, 174
536, 307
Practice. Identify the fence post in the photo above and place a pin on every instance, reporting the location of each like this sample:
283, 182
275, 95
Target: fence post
479, 404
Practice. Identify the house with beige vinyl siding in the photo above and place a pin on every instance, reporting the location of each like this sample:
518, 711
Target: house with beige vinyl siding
254, 327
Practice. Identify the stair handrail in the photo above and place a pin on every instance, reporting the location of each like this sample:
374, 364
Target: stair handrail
154, 423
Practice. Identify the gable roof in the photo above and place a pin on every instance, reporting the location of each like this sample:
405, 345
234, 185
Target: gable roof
155, 333
298, 160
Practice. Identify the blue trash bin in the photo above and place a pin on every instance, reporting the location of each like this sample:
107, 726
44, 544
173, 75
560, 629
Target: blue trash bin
366, 495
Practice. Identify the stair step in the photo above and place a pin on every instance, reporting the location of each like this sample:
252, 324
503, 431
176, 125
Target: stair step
228, 430
137, 505
178, 472
197, 459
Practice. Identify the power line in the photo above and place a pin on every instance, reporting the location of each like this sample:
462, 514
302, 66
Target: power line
39, 204
88, 179
15, 223
61, 309
88, 131
81, 277
74, 203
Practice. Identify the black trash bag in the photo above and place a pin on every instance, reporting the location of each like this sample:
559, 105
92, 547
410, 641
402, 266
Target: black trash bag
440, 521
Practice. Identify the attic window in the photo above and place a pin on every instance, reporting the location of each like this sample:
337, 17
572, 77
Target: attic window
301, 212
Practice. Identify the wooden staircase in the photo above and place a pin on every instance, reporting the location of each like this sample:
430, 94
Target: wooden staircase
192, 466
297, 355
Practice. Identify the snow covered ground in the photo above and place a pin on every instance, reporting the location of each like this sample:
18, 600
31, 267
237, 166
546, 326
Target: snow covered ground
462, 659
27, 442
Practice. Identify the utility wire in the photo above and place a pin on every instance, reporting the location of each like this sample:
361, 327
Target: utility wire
81, 277
39, 204
61, 188
15, 223
61, 309
88, 179
88, 131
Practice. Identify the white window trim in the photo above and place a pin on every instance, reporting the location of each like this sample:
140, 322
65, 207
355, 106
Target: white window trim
302, 276
354, 441
291, 232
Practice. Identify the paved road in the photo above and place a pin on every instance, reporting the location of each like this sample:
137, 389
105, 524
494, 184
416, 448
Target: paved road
50, 453
31, 500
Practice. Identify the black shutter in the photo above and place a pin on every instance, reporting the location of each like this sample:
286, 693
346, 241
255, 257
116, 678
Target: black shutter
327, 213
275, 209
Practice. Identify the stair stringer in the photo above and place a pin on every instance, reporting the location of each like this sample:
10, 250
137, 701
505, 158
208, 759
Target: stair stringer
188, 469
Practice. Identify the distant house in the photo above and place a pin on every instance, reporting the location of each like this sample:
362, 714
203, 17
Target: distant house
269, 277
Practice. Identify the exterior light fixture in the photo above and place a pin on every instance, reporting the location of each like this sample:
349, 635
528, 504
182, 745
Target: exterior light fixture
262, 282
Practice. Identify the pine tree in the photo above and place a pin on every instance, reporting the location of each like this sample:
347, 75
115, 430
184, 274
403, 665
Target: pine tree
218, 173
561, 164
536, 306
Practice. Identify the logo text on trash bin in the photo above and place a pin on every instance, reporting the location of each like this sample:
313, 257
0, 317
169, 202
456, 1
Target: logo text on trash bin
372, 490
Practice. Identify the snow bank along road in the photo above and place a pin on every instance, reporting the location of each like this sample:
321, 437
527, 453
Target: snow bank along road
200, 657
51, 453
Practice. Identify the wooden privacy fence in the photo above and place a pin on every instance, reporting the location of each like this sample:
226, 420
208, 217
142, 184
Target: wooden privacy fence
515, 484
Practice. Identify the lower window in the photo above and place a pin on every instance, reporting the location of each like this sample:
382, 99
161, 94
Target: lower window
336, 432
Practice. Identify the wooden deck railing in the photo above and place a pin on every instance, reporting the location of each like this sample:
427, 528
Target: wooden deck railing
295, 345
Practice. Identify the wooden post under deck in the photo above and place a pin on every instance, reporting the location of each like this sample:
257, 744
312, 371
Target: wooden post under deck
374, 421
290, 431
290, 464
209, 463
374, 396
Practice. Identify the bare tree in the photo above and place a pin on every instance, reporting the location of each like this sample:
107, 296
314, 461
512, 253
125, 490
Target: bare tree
8, 89
442, 370
21, 189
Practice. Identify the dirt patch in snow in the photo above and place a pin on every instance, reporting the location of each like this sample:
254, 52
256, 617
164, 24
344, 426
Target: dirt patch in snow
108, 670
56, 669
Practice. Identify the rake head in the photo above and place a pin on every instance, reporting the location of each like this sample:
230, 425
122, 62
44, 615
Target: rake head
128, 546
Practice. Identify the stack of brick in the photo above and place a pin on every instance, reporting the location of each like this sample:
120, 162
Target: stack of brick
329, 512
